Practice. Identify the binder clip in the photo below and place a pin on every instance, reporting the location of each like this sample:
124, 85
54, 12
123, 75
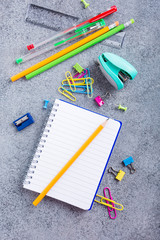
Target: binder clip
118, 175
110, 209
129, 163
23, 121
99, 99
77, 69
116, 69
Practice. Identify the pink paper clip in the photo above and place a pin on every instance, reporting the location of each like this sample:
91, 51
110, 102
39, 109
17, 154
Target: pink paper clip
99, 101
110, 209
80, 75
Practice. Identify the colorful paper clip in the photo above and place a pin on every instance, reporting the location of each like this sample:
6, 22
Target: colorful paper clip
129, 163
80, 75
67, 94
79, 81
118, 175
110, 209
107, 204
79, 89
70, 81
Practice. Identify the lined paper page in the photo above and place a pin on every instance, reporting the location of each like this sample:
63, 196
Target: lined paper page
70, 128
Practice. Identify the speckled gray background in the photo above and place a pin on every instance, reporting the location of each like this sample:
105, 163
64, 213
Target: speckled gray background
139, 137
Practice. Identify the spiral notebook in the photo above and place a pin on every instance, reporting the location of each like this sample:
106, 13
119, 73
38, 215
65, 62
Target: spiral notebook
68, 127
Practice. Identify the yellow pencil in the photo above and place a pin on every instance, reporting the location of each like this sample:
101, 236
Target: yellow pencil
69, 163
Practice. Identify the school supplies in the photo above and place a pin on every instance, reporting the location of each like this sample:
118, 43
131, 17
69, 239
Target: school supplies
128, 162
86, 5
72, 29
45, 104
67, 94
62, 55
110, 209
116, 69
99, 100
23, 121
118, 174
120, 107
82, 31
80, 49
103, 201
70, 162
49, 18
68, 127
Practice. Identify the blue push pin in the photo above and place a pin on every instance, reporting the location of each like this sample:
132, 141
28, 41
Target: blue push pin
128, 162
45, 104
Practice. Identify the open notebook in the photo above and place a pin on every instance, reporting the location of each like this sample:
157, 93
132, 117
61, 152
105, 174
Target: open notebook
68, 127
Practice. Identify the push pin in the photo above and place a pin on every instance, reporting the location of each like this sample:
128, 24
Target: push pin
100, 101
45, 104
122, 108
85, 4
128, 162
118, 175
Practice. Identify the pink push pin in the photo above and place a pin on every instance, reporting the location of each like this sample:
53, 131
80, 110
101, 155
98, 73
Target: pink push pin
99, 101
110, 209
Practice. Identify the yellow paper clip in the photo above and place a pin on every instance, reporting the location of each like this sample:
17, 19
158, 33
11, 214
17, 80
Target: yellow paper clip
89, 89
70, 80
79, 81
109, 200
64, 92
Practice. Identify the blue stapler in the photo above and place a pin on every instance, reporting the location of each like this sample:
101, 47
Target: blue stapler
116, 69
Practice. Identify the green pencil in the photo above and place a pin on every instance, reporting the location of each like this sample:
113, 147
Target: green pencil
80, 49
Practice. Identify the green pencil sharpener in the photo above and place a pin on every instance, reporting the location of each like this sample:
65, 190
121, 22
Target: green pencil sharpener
116, 69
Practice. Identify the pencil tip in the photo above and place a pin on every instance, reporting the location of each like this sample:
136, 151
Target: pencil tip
105, 122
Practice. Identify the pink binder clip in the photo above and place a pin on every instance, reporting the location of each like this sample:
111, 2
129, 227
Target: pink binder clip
110, 209
99, 101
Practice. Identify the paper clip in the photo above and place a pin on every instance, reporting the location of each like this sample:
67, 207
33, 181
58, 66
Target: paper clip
80, 75
79, 89
129, 163
64, 91
110, 209
118, 175
70, 81
107, 204
79, 81
89, 88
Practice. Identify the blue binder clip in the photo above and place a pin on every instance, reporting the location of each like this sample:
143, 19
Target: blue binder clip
116, 69
128, 162
23, 121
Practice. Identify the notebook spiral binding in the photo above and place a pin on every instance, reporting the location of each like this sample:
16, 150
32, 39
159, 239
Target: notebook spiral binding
41, 145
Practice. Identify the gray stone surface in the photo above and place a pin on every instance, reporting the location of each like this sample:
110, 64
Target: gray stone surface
139, 137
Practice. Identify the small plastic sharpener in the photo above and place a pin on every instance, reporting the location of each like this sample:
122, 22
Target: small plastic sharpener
118, 174
128, 162
116, 69
23, 121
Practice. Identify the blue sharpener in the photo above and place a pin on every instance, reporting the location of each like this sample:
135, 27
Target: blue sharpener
116, 69
23, 121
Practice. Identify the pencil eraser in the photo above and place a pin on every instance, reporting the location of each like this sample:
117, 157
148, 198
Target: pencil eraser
31, 46
116, 23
